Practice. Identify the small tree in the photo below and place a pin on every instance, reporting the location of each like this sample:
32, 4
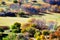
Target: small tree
16, 27
17, 24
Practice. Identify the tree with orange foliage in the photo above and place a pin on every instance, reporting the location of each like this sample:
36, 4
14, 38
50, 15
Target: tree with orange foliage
56, 34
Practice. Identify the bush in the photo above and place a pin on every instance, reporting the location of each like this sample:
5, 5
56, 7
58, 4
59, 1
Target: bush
20, 36
23, 30
11, 14
16, 25
13, 27
16, 31
34, 25
46, 33
31, 31
6, 27
34, 1
38, 33
15, 1
1, 30
4, 35
11, 36
21, 14
39, 24
38, 38
3, 3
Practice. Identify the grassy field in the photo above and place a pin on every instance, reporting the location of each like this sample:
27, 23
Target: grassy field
7, 21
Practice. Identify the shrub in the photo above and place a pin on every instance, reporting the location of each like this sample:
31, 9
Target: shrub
21, 14
11, 14
34, 25
16, 25
1, 30
4, 35
34, 1
39, 24
38, 38
16, 31
23, 30
31, 31
37, 34
13, 27
15, 1
6, 27
3, 3
46, 33
11, 36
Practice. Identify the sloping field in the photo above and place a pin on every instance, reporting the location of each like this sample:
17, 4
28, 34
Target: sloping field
7, 21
